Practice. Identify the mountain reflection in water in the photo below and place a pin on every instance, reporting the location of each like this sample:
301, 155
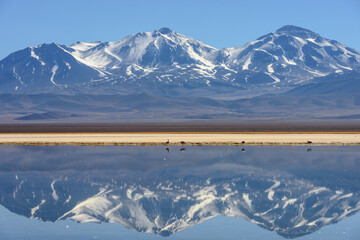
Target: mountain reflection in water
149, 189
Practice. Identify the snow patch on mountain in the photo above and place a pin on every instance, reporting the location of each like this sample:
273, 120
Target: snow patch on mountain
53, 70
36, 56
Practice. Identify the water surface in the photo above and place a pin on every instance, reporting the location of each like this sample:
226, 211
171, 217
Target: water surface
214, 192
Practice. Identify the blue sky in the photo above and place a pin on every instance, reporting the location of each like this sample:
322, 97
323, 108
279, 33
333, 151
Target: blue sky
222, 23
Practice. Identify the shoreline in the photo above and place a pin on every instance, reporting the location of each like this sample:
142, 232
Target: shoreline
190, 139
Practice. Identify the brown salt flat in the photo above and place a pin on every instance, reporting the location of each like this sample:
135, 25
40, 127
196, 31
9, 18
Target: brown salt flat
192, 127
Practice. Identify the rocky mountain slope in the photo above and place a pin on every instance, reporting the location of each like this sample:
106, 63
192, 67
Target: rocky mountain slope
335, 96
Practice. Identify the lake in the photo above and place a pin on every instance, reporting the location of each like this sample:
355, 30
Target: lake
189, 192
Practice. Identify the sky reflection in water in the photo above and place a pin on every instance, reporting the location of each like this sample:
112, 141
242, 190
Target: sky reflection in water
200, 193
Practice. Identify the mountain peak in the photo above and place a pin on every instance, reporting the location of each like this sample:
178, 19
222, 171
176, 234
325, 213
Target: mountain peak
292, 28
295, 30
165, 30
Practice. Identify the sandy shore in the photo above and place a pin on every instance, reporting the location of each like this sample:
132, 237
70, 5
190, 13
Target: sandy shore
176, 138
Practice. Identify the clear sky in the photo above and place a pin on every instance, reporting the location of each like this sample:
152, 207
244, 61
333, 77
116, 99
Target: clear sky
221, 23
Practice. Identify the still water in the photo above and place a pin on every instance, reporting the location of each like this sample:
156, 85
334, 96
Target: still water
200, 192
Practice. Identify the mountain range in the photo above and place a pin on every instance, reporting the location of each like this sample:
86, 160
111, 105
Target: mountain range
166, 66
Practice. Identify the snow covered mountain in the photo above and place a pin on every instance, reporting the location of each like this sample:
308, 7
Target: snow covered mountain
163, 62
289, 55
